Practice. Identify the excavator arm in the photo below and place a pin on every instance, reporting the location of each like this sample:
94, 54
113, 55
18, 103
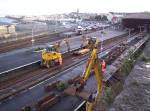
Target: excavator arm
93, 63
89, 66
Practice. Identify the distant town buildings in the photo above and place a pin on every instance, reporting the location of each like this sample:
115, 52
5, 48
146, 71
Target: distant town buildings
7, 27
7, 30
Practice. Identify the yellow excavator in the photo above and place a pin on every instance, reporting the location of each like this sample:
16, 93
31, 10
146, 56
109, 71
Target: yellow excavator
93, 63
51, 56
87, 45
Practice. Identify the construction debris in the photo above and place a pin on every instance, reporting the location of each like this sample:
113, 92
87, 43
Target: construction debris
51, 86
47, 102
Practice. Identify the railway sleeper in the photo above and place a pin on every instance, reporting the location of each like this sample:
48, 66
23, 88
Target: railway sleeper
47, 102
51, 86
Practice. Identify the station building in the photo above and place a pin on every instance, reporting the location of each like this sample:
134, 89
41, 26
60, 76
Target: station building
137, 20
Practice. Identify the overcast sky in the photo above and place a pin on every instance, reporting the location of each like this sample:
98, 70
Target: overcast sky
40, 7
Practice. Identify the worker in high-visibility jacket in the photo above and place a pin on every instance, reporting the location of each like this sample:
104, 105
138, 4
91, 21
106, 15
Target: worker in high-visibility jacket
103, 66
103, 70
60, 61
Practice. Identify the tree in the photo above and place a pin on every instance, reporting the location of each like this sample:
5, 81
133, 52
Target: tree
104, 18
98, 17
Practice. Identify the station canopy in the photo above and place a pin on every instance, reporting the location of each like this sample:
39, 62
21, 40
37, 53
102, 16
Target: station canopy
135, 20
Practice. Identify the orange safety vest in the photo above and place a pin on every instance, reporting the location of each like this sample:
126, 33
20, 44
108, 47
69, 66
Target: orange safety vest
103, 66
60, 61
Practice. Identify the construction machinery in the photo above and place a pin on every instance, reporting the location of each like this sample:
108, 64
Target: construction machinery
86, 46
88, 42
66, 40
76, 88
51, 56
91, 42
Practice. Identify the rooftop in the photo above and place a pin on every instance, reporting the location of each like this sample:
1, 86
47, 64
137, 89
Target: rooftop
6, 21
138, 16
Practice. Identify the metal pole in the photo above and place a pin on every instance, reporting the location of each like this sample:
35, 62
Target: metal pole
32, 38
140, 28
130, 32
102, 44
146, 28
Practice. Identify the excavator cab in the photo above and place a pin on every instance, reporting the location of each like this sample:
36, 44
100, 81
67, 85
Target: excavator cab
51, 57
50, 48
87, 45
92, 42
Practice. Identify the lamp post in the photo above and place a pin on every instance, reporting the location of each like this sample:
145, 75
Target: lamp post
129, 31
48, 27
102, 41
140, 28
101, 46
32, 40
145, 26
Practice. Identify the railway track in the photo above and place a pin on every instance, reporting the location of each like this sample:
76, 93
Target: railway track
83, 103
6, 47
30, 78
53, 78
115, 77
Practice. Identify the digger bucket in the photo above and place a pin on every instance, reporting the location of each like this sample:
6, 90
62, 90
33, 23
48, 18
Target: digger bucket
71, 91
74, 91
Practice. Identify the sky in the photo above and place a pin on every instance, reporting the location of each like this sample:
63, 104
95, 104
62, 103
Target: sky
47, 7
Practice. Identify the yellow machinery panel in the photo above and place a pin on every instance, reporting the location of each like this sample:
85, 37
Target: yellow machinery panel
47, 56
51, 58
